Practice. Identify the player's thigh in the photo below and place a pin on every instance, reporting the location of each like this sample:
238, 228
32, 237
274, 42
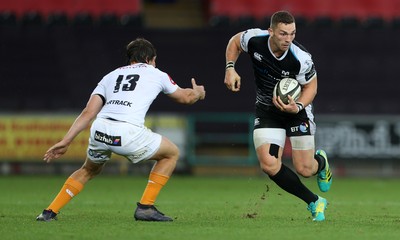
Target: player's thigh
303, 154
269, 144
167, 150
100, 140
143, 145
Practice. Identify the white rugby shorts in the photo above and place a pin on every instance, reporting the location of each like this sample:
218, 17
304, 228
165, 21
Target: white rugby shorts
136, 143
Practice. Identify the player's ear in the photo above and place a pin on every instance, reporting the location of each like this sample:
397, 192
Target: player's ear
271, 31
152, 61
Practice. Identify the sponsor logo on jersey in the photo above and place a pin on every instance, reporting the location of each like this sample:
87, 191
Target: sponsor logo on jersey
285, 73
258, 56
107, 139
120, 102
256, 121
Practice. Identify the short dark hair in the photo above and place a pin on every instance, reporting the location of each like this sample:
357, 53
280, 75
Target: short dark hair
140, 51
281, 17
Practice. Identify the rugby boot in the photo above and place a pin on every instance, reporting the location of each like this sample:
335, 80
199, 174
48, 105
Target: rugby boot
324, 177
149, 213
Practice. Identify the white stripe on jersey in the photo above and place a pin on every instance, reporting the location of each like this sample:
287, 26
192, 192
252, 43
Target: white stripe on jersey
246, 35
129, 91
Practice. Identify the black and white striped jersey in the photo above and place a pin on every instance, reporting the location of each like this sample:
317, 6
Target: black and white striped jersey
295, 63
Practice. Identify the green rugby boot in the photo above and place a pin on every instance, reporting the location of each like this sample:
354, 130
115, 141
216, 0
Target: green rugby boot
317, 209
324, 178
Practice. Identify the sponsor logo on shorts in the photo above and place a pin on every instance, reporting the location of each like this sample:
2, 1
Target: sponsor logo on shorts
303, 127
95, 154
107, 139
140, 154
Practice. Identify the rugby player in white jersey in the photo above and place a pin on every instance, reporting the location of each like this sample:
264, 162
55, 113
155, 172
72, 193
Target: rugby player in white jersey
118, 106
275, 55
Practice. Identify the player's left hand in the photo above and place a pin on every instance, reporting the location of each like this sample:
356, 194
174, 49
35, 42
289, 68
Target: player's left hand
199, 89
291, 107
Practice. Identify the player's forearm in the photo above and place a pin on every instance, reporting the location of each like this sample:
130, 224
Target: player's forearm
81, 123
191, 96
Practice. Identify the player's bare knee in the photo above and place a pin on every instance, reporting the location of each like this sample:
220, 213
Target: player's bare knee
175, 153
91, 169
304, 171
270, 165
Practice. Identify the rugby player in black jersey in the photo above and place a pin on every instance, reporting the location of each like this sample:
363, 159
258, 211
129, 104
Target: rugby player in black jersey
275, 55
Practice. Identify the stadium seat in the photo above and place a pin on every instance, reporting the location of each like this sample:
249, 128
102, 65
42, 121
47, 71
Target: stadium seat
349, 22
244, 22
395, 23
374, 23
323, 22
82, 19
219, 21
108, 19
131, 20
264, 22
8, 18
57, 19
301, 22
32, 19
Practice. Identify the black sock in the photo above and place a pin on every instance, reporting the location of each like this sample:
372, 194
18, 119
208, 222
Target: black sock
290, 182
321, 162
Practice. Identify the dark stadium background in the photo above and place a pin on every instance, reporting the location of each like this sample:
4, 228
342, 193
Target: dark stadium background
55, 67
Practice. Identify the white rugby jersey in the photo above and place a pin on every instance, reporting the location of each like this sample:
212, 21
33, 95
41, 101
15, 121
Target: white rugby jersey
129, 91
295, 63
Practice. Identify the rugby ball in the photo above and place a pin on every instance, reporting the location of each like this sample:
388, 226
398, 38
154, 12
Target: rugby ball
286, 87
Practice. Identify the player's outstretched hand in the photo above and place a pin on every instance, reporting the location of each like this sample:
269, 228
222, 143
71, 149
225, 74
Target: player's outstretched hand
55, 151
199, 89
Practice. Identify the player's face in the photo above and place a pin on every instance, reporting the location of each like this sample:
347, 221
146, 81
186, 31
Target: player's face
282, 36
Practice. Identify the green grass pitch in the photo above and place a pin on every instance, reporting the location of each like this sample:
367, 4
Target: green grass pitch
202, 208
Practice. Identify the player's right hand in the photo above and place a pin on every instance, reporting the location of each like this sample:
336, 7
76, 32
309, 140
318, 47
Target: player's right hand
55, 151
232, 80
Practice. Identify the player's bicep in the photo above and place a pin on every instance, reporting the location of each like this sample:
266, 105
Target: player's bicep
309, 91
311, 84
94, 105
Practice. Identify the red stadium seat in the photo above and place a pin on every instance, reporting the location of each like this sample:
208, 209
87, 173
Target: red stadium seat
311, 9
72, 7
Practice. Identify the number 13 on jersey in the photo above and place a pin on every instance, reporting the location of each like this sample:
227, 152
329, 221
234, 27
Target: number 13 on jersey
130, 86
